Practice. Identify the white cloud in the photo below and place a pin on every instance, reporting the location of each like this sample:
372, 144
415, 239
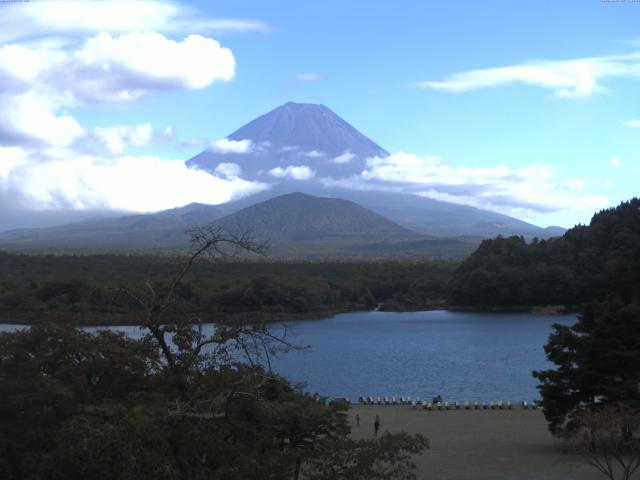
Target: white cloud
116, 139
48, 160
615, 162
26, 19
307, 77
110, 69
37, 84
120, 69
83, 182
608, 183
567, 78
20, 65
228, 170
345, 157
29, 118
10, 158
522, 192
633, 123
296, 172
231, 146
313, 154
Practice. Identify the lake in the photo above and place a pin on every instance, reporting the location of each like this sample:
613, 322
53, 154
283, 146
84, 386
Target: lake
461, 356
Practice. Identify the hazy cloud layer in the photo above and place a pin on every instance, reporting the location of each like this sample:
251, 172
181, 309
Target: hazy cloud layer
521, 192
566, 78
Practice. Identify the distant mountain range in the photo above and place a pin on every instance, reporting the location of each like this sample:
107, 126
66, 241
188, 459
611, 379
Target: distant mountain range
295, 224
132, 232
322, 220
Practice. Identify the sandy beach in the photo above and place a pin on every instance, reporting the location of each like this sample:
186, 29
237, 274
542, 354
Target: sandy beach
478, 444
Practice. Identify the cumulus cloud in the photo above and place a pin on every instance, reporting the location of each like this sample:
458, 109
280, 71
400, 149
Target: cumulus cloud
231, 146
132, 183
566, 78
117, 139
229, 170
27, 19
615, 162
38, 84
121, 69
522, 192
307, 77
633, 123
345, 157
296, 172
58, 56
30, 119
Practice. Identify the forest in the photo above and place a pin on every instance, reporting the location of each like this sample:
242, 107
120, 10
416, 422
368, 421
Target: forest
88, 289
584, 265
175, 404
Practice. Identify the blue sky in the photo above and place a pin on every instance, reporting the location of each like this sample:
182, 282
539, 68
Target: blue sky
547, 89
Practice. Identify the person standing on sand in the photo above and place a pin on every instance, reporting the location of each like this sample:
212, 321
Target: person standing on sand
376, 426
357, 420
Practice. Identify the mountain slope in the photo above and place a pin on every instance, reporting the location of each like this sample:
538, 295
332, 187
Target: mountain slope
309, 127
295, 225
419, 214
295, 134
312, 136
297, 216
136, 232
298, 224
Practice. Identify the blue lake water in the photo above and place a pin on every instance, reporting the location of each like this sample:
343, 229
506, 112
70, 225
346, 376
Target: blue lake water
461, 356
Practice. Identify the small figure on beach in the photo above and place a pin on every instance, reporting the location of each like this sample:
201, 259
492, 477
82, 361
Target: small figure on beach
437, 399
357, 420
376, 426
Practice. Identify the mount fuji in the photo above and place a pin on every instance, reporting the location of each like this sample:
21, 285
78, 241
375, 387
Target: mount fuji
303, 147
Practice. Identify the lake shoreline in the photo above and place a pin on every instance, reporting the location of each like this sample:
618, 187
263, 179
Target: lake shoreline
110, 320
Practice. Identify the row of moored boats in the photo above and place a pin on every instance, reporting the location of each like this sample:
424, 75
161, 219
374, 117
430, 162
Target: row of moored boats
442, 405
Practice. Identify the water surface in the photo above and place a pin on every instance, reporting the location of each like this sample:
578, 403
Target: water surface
461, 356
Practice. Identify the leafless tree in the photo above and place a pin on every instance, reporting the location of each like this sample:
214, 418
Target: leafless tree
609, 441
178, 331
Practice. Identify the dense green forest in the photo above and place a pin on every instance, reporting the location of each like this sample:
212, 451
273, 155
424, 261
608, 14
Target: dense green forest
88, 288
175, 404
594, 385
584, 265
